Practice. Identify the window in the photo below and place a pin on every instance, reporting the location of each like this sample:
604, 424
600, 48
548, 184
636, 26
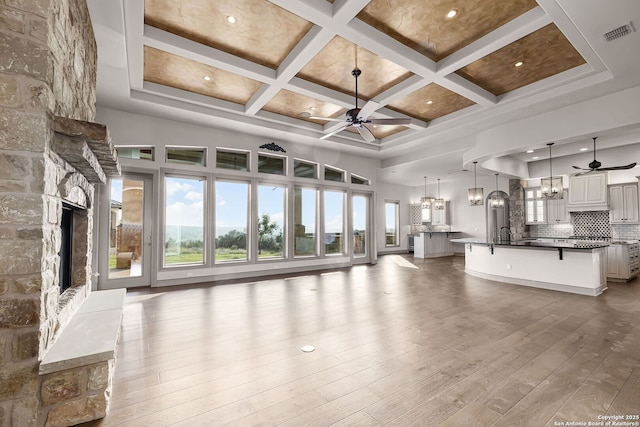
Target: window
183, 220
303, 169
359, 217
332, 174
304, 206
355, 179
271, 209
334, 222
138, 153
232, 207
271, 164
236, 160
534, 208
187, 156
391, 213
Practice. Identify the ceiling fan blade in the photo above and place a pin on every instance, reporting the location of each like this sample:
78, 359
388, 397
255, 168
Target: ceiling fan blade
366, 133
582, 169
330, 134
328, 119
368, 108
617, 168
388, 121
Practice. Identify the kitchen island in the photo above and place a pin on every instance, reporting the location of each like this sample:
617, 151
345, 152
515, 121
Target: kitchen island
561, 265
432, 244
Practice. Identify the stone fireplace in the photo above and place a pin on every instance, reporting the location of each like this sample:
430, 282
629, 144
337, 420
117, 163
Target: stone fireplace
51, 158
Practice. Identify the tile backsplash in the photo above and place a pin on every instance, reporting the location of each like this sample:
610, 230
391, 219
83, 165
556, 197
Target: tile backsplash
595, 223
592, 223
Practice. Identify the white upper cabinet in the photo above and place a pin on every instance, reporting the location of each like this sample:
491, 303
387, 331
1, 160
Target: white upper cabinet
557, 209
624, 203
440, 216
588, 192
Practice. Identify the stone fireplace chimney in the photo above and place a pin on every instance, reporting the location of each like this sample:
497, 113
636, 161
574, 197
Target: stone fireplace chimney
50, 154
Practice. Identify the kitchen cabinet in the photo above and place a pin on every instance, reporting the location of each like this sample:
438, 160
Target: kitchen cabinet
540, 210
432, 245
534, 206
624, 203
440, 216
557, 209
588, 192
415, 214
622, 262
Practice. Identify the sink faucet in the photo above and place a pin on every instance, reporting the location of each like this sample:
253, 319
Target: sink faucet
504, 227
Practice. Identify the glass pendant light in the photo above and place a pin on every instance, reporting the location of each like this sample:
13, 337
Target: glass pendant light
551, 186
496, 201
438, 203
425, 203
476, 194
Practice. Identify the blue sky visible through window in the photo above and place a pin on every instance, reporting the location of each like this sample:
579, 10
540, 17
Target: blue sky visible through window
185, 206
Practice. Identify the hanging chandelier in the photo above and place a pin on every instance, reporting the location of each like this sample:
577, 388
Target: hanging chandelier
438, 203
476, 194
496, 201
425, 204
551, 186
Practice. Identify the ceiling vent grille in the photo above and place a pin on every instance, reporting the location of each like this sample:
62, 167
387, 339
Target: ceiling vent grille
619, 32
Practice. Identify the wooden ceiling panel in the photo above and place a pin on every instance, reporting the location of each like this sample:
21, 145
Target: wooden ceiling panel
292, 104
182, 73
543, 53
443, 102
332, 67
424, 26
263, 32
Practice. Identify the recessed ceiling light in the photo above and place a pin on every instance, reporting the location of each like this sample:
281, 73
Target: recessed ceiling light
535, 157
313, 108
518, 64
452, 13
584, 149
231, 19
429, 102
207, 78
529, 151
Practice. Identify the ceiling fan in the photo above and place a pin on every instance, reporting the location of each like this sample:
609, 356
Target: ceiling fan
595, 165
358, 118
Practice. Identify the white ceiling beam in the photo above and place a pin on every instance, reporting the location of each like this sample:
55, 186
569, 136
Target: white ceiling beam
345, 10
469, 90
514, 30
312, 43
401, 89
133, 18
189, 49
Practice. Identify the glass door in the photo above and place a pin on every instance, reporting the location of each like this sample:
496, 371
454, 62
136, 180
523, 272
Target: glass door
125, 255
360, 228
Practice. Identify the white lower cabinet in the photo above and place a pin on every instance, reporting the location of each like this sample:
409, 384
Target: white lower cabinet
622, 262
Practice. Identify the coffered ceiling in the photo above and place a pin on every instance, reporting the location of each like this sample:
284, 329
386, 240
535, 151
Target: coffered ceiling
277, 67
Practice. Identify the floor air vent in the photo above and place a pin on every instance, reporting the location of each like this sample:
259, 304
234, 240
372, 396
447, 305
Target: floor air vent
619, 32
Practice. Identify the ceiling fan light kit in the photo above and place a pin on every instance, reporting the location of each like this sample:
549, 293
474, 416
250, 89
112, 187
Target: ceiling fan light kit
595, 166
358, 118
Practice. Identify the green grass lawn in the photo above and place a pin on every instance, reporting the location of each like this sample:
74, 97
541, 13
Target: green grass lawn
195, 257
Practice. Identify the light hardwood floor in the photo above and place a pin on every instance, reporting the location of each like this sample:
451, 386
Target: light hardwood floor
404, 342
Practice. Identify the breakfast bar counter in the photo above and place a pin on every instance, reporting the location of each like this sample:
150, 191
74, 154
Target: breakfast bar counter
576, 267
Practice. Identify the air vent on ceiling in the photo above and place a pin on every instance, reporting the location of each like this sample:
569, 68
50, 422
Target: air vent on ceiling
619, 32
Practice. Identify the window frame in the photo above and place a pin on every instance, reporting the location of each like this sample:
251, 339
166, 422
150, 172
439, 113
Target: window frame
273, 156
248, 222
185, 148
342, 173
396, 234
164, 174
315, 165
233, 151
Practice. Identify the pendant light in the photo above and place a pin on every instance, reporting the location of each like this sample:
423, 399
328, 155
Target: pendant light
476, 195
551, 186
425, 203
496, 201
438, 203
